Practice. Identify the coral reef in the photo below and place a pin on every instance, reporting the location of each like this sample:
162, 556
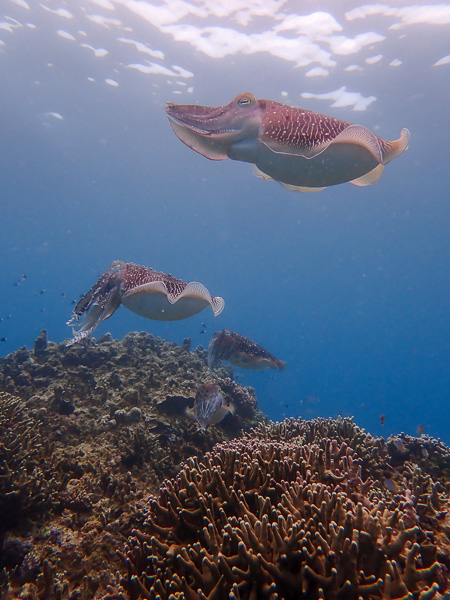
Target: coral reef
279, 518
300, 509
86, 433
140, 385
29, 485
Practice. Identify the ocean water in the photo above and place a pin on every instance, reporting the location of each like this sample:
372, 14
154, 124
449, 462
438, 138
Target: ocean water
349, 286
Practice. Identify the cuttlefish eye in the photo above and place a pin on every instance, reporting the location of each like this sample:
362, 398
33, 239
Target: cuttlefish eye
117, 264
244, 101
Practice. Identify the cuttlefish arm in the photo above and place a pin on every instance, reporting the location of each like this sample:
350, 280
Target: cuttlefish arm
212, 131
146, 292
301, 149
99, 303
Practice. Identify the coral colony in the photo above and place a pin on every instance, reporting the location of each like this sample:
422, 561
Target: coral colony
108, 490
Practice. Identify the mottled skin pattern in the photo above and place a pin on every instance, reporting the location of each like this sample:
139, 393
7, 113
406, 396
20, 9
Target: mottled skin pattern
124, 276
301, 149
297, 128
208, 401
146, 292
134, 275
240, 351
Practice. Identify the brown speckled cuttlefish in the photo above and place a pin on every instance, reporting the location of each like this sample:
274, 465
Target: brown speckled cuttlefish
301, 149
210, 407
146, 292
241, 352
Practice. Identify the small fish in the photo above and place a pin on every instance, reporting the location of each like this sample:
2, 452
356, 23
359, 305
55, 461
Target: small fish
3, 339
21, 279
425, 453
210, 407
382, 419
420, 429
390, 485
241, 352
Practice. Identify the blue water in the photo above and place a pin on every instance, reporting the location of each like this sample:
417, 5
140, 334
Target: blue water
350, 286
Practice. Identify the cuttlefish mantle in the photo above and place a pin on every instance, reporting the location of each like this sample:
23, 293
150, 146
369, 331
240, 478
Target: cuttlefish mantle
241, 352
301, 149
146, 292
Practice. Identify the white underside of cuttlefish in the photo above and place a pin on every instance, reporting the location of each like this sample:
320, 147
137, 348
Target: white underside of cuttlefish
146, 292
302, 150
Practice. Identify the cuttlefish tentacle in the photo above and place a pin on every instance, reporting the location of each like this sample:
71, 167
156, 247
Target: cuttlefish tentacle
147, 292
301, 149
99, 303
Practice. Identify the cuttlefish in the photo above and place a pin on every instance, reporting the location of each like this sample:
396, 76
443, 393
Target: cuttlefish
241, 352
146, 292
210, 407
301, 149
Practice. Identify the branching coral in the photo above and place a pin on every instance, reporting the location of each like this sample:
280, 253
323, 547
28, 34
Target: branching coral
261, 518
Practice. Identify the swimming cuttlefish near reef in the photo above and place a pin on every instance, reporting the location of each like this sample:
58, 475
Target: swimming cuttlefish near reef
301, 149
146, 292
241, 352
210, 407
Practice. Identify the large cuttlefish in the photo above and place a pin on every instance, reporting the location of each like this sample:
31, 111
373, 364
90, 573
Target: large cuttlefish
301, 149
148, 293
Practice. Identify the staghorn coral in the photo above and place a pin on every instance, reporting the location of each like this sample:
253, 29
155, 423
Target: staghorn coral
264, 518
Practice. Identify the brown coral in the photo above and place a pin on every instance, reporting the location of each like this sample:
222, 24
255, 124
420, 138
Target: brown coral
261, 518
83, 445
29, 485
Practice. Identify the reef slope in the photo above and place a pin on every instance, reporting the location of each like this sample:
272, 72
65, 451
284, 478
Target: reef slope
108, 491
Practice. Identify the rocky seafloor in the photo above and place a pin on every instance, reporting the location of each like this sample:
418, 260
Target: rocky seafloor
107, 489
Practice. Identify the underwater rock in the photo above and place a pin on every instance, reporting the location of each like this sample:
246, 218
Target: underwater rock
40, 343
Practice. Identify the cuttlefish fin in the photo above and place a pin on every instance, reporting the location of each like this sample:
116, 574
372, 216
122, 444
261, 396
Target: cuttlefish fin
369, 178
382, 150
198, 290
221, 413
153, 301
190, 412
260, 173
300, 188
393, 149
